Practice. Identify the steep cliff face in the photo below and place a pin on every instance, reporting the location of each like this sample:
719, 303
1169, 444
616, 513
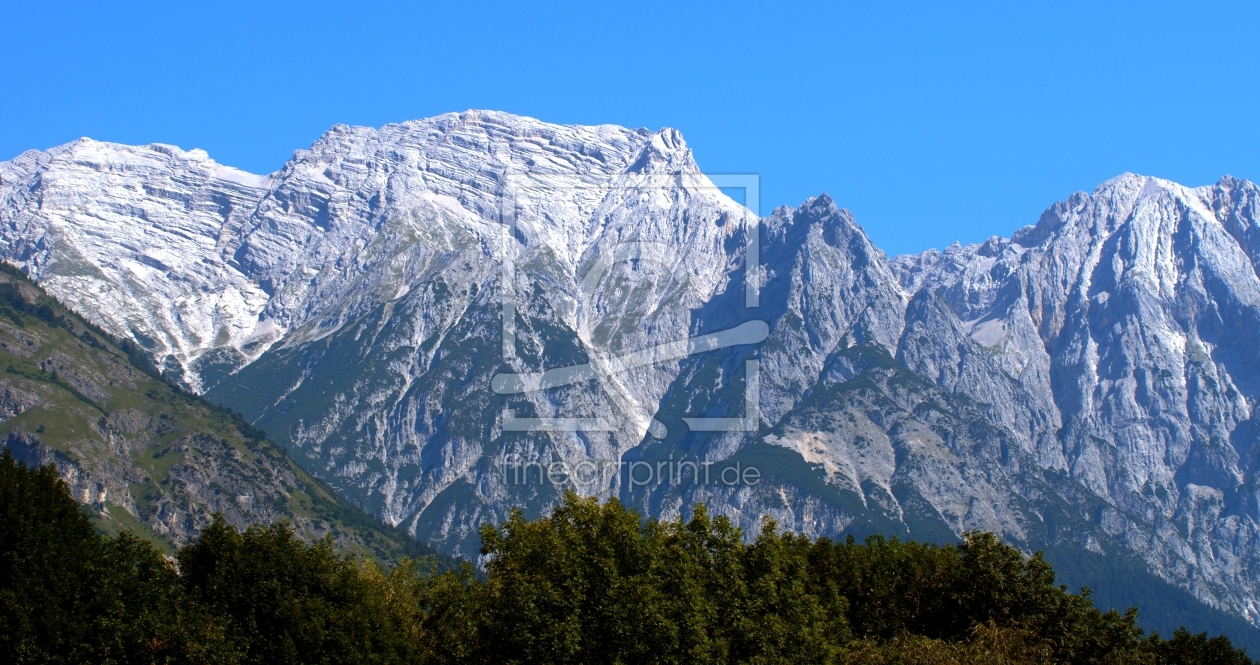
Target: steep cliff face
878, 410
601, 240
1133, 313
424, 311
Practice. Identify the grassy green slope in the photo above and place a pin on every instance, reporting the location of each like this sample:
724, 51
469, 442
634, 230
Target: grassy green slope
144, 455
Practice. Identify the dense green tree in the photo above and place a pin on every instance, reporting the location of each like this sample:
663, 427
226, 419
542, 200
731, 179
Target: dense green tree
575, 587
67, 595
433, 614
597, 584
285, 601
50, 560
1188, 649
701, 569
899, 588
787, 617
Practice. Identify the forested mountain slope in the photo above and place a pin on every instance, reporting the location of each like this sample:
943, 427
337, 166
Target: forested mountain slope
145, 455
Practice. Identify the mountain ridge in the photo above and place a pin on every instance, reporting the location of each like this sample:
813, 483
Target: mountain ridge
356, 309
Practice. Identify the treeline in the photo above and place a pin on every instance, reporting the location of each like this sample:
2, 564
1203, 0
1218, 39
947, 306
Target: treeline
13, 304
591, 583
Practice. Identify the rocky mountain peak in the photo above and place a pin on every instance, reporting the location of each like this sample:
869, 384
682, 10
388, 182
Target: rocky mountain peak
666, 153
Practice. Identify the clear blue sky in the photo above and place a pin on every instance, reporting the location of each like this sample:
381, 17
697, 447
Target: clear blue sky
932, 123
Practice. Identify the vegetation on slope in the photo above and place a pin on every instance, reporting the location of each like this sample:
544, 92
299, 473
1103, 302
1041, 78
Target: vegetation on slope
145, 455
590, 583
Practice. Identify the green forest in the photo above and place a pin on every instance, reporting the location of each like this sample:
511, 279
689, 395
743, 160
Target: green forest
590, 583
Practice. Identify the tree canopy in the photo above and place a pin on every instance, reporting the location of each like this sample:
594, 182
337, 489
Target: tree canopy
590, 583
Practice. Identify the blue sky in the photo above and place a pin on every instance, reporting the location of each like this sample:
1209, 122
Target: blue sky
932, 123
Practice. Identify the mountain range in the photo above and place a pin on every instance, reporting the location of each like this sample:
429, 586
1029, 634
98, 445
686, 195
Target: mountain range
432, 316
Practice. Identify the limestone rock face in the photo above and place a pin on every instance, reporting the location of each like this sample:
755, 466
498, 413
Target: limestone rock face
1130, 316
133, 237
423, 310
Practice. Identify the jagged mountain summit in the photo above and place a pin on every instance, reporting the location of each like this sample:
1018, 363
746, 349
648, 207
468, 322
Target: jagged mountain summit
423, 310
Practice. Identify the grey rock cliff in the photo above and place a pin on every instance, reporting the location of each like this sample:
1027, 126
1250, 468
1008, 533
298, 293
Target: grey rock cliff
1143, 299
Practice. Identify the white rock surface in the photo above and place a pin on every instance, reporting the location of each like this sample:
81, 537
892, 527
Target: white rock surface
134, 237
